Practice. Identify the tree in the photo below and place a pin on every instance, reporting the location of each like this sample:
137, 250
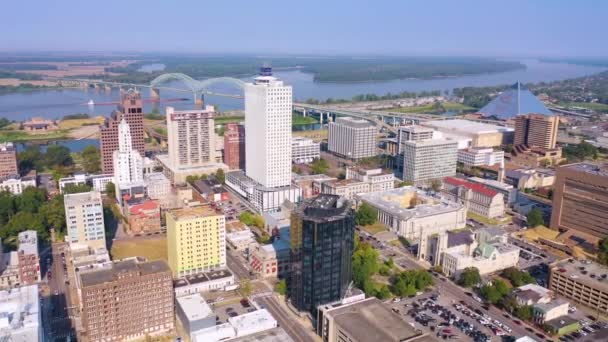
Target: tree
111, 190
469, 277
31, 199
524, 312
319, 166
365, 264
57, 155
535, 218
54, 214
602, 255
90, 159
245, 288
366, 215
404, 183
490, 294
517, 277
30, 159
281, 287
220, 176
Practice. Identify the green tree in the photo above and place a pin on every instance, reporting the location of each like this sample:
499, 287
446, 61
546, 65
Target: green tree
31, 199
404, 183
535, 218
365, 264
469, 277
90, 159
7, 207
30, 159
245, 288
111, 190
383, 292
366, 215
524, 312
319, 166
57, 155
220, 176
490, 294
602, 255
76, 188
518, 277
281, 287
54, 214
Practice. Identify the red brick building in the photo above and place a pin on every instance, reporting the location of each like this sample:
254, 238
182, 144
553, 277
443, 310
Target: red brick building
234, 146
144, 217
8, 159
131, 109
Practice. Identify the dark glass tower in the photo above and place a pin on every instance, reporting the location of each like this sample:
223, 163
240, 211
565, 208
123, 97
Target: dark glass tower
322, 234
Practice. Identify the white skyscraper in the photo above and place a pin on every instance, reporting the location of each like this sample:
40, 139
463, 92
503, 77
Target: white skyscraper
268, 109
128, 163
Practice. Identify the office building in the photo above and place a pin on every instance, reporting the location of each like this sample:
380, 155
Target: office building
196, 238
352, 138
377, 178
29, 259
158, 185
8, 160
472, 157
191, 136
304, 150
21, 315
268, 110
414, 133
130, 109
518, 99
128, 166
580, 199
509, 193
582, 282
322, 234
486, 257
346, 188
129, 300
536, 130
475, 197
425, 160
471, 133
364, 320
414, 215
234, 146
84, 219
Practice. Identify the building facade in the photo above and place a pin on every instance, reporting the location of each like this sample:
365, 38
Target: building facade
581, 282
378, 179
352, 138
234, 146
158, 185
84, 219
536, 130
580, 199
477, 198
486, 257
29, 259
128, 301
196, 238
131, 110
268, 111
304, 150
480, 156
8, 160
426, 160
191, 136
509, 193
15, 184
128, 163
322, 242
143, 217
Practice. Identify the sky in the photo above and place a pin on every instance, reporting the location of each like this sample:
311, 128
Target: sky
515, 28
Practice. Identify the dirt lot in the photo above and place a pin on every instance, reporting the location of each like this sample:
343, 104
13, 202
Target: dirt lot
152, 248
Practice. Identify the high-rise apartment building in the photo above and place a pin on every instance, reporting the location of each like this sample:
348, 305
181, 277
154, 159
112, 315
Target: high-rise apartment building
191, 136
536, 130
131, 110
84, 219
29, 260
196, 238
580, 199
128, 163
425, 160
322, 242
8, 160
268, 110
127, 300
414, 133
234, 146
352, 138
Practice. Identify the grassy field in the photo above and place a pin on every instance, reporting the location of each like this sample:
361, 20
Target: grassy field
219, 120
6, 135
297, 119
600, 107
153, 249
76, 123
487, 221
374, 228
534, 234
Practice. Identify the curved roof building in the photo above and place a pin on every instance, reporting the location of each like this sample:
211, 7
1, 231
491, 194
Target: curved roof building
516, 100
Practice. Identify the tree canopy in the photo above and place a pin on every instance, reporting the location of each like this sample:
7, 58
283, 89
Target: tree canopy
366, 215
470, 276
409, 282
319, 166
535, 218
495, 292
90, 159
251, 219
518, 277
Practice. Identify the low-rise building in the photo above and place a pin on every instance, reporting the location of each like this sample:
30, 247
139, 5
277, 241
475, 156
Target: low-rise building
310, 184
346, 188
239, 326
78, 178
531, 294
143, 216
487, 258
583, 282
378, 179
158, 185
272, 260
210, 191
523, 179
218, 280
262, 198
481, 134
477, 198
240, 240
543, 312
39, 123
15, 184
472, 157
20, 315
304, 150
562, 325
194, 313
178, 174
100, 182
509, 193
534, 156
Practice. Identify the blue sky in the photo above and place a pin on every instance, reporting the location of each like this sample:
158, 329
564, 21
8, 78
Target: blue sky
380, 27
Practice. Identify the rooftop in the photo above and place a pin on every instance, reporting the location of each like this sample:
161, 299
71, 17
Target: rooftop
190, 213
144, 207
464, 237
324, 207
560, 322
590, 168
466, 126
194, 306
545, 307
7, 146
201, 277
121, 267
246, 321
352, 122
491, 183
408, 202
513, 101
82, 197
20, 314
430, 142
371, 320
476, 187
156, 177
586, 272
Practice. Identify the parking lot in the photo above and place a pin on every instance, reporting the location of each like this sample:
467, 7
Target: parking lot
231, 309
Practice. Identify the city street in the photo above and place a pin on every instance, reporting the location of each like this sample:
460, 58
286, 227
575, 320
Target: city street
286, 320
57, 322
236, 264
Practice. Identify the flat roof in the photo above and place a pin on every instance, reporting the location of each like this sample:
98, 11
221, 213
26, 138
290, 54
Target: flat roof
129, 265
189, 213
492, 183
561, 322
271, 335
82, 197
194, 306
251, 319
590, 168
395, 202
431, 142
582, 271
472, 127
201, 278
371, 320
352, 122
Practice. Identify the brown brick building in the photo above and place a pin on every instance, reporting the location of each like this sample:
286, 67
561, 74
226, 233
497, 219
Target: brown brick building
8, 159
130, 299
131, 109
234, 146
143, 217
580, 199
536, 130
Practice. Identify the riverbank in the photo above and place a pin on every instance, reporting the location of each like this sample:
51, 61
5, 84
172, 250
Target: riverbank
77, 129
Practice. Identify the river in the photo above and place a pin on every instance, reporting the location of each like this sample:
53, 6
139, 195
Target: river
57, 103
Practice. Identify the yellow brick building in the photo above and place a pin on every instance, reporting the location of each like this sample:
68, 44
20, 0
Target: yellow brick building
196, 240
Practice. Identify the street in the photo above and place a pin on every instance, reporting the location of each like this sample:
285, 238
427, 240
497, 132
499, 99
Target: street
235, 264
295, 330
57, 321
